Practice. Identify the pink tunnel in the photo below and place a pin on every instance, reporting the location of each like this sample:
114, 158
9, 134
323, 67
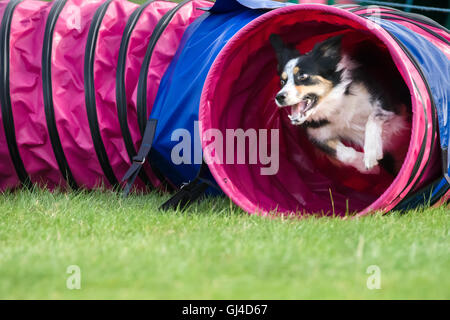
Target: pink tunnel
48, 120
239, 93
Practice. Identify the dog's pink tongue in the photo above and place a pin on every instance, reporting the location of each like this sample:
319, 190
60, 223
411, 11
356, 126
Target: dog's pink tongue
298, 109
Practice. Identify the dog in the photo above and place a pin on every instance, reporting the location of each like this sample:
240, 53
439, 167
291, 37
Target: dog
340, 105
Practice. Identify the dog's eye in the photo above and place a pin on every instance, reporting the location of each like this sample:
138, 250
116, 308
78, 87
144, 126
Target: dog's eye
303, 77
283, 82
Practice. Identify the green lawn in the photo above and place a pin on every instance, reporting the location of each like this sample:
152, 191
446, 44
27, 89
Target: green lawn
126, 248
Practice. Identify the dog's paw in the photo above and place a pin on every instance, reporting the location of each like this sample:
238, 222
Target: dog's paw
370, 160
361, 167
374, 170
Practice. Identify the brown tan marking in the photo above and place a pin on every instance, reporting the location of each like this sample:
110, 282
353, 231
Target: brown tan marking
332, 143
284, 76
322, 87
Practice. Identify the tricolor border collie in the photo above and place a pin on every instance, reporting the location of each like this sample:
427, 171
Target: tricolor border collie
336, 101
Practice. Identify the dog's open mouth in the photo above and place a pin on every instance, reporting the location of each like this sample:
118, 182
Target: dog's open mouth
299, 111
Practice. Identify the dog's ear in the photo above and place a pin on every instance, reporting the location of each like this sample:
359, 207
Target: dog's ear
330, 48
284, 52
277, 43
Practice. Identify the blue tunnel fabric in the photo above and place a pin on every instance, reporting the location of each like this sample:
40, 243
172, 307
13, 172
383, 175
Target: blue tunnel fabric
232, 5
177, 103
436, 68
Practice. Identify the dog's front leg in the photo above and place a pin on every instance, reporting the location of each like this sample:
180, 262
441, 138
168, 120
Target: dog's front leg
346, 155
350, 156
373, 140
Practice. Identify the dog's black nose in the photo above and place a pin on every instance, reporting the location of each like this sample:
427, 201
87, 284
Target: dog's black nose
281, 97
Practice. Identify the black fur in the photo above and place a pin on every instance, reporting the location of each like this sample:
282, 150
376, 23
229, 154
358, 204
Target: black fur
324, 147
284, 53
376, 90
315, 124
384, 84
322, 60
348, 90
388, 163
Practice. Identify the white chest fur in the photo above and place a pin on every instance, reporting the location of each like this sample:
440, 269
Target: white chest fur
347, 114
357, 118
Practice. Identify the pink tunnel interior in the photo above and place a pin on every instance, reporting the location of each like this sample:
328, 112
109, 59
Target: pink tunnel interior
240, 91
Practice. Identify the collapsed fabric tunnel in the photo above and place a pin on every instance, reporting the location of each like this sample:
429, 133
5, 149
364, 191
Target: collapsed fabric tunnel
70, 77
81, 78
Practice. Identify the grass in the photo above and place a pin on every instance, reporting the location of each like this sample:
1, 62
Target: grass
126, 248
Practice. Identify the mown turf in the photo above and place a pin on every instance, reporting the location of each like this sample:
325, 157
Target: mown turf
126, 248
129, 249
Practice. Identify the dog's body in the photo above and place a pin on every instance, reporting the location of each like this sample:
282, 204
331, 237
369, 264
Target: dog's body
332, 97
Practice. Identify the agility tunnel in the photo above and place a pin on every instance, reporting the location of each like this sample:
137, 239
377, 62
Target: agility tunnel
68, 104
93, 91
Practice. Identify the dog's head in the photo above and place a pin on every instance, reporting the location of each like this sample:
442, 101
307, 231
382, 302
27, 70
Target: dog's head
306, 79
